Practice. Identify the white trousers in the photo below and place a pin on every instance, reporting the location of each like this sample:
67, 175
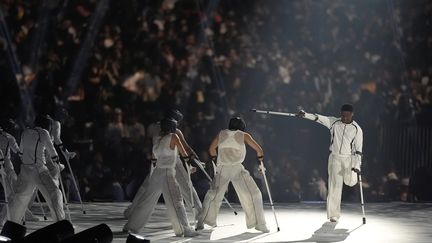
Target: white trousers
30, 178
339, 171
11, 180
183, 181
248, 192
162, 181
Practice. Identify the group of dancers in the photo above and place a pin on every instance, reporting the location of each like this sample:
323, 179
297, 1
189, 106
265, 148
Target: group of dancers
39, 169
173, 162
170, 177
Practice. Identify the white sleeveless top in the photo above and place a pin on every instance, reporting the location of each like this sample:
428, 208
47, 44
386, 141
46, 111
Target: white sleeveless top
231, 147
165, 156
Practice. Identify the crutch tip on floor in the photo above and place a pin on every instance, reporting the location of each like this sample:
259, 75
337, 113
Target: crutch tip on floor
235, 213
364, 220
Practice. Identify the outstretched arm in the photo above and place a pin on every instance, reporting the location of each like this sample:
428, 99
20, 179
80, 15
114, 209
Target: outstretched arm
326, 121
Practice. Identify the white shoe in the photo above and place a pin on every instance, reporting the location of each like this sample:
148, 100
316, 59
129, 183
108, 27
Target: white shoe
262, 228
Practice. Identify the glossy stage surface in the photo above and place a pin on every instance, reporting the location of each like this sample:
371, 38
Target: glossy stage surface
298, 222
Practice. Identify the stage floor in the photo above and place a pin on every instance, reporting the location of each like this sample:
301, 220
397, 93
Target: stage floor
299, 222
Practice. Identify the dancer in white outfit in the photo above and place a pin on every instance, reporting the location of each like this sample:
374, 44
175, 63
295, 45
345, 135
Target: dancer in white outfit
163, 181
34, 173
345, 155
54, 130
8, 144
182, 176
231, 152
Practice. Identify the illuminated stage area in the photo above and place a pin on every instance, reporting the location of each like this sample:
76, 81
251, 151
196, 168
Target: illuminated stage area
299, 222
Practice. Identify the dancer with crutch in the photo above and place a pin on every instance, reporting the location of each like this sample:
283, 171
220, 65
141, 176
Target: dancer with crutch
187, 190
345, 152
9, 145
34, 173
166, 148
55, 132
230, 148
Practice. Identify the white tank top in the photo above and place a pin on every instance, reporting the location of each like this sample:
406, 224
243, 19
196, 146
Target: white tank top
165, 156
231, 147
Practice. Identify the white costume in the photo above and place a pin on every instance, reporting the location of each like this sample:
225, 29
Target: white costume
55, 134
34, 173
182, 178
54, 168
162, 180
345, 153
8, 144
231, 154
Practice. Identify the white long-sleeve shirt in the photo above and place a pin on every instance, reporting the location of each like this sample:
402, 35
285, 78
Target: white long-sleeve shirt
8, 143
346, 139
34, 143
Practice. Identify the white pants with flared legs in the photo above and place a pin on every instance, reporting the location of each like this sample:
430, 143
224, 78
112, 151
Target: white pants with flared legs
162, 181
248, 192
339, 171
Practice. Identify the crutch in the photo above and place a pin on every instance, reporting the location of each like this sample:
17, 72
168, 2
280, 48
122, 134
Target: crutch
73, 179
198, 163
3, 175
361, 193
188, 169
64, 197
274, 112
40, 205
268, 190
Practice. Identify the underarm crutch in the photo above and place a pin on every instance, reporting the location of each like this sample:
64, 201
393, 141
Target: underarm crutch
188, 169
64, 197
73, 179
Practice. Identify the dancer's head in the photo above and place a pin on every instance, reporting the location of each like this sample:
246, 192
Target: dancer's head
237, 123
173, 114
42, 121
168, 126
347, 113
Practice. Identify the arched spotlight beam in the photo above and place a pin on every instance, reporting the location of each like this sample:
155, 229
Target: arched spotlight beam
27, 113
81, 59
